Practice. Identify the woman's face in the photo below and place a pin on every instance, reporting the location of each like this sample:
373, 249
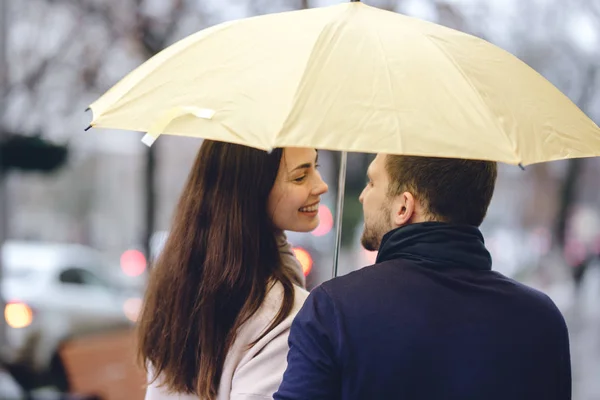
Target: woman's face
294, 200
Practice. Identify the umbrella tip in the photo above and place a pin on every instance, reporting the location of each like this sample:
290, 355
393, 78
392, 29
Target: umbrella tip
522, 167
87, 109
88, 128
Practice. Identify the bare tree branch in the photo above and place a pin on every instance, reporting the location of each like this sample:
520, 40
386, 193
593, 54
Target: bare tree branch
32, 79
153, 39
90, 8
575, 166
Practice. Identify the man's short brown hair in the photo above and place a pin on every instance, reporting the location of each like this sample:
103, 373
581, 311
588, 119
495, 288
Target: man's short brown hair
452, 190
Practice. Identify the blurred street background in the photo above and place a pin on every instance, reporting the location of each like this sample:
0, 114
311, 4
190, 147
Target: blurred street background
82, 214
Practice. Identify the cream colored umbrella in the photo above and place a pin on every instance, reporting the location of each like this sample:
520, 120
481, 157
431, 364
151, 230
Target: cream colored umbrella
350, 77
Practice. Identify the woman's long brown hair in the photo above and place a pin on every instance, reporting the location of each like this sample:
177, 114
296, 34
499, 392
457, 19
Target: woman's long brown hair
215, 268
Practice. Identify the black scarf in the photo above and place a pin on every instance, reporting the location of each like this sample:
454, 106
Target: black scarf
437, 245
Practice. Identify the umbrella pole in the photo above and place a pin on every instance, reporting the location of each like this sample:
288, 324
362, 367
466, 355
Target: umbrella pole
339, 211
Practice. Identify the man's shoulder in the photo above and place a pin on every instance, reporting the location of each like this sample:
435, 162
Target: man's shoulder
530, 296
397, 278
370, 277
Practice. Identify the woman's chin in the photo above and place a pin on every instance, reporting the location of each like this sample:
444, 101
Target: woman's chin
306, 227
314, 225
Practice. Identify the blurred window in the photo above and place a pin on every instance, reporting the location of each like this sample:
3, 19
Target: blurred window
79, 276
18, 273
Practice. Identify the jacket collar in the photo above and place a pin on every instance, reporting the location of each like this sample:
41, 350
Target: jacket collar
437, 245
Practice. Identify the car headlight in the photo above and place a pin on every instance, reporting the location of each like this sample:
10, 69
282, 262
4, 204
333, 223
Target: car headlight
18, 315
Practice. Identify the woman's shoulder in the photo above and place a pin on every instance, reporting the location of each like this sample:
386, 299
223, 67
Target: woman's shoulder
251, 330
249, 356
272, 304
255, 327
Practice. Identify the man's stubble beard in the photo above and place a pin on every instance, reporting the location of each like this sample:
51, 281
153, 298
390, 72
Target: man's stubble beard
374, 232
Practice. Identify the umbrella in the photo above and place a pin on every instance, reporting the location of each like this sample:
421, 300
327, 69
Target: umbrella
350, 77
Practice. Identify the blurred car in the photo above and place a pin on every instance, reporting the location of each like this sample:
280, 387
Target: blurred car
53, 293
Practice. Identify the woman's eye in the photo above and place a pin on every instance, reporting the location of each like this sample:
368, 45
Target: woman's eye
300, 179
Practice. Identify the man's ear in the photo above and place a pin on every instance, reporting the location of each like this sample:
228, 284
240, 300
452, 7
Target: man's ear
403, 209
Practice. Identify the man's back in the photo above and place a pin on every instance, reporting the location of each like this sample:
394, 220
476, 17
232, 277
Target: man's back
407, 330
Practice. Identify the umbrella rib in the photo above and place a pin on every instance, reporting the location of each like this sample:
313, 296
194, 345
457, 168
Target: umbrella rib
239, 137
391, 86
477, 93
184, 44
125, 103
302, 79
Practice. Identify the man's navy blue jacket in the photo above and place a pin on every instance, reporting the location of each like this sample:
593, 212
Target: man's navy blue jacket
430, 320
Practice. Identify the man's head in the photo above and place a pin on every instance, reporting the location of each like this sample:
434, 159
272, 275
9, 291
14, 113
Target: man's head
405, 190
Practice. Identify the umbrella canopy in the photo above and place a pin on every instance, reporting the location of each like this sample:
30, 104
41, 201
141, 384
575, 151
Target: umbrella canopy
350, 77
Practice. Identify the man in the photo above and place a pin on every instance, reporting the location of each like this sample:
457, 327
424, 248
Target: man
430, 320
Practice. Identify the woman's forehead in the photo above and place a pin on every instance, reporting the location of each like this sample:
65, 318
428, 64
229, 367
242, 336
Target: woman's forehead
299, 153
295, 156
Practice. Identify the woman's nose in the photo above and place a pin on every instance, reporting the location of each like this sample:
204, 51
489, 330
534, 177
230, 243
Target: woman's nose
320, 186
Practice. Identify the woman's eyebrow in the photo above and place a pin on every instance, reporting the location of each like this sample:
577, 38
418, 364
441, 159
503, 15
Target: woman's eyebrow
307, 165
302, 166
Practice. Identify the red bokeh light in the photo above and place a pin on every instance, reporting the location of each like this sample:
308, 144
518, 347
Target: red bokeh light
325, 221
133, 263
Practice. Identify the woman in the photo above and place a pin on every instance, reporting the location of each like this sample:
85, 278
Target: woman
223, 293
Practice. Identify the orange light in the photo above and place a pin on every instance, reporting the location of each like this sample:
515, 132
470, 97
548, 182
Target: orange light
305, 259
325, 221
131, 308
133, 263
18, 315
